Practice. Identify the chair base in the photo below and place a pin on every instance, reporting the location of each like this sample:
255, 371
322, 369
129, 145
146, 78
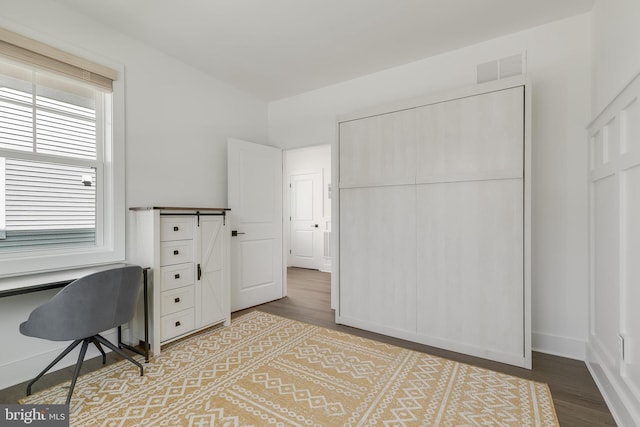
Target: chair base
96, 340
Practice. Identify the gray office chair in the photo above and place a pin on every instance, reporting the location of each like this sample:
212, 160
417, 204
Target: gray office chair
83, 309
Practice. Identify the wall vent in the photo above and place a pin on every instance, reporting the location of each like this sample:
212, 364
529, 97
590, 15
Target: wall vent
488, 71
509, 66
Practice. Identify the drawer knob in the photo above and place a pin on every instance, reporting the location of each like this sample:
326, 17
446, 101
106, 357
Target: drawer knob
178, 323
176, 276
176, 252
176, 300
176, 228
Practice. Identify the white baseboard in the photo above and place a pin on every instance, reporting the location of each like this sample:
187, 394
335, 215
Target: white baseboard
623, 405
26, 369
558, 346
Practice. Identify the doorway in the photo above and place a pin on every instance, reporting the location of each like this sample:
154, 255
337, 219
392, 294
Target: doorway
307, 206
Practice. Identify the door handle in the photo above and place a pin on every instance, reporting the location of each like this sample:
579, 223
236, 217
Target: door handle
314, 226
235, 233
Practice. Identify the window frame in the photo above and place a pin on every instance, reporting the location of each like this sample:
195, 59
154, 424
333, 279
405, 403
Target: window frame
110, 203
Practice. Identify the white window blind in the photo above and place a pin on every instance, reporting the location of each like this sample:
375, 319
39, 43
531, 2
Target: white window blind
46, 57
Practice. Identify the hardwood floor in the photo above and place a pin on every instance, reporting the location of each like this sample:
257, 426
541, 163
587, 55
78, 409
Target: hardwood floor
575, 395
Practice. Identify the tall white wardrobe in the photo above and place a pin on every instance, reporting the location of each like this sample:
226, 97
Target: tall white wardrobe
433, 222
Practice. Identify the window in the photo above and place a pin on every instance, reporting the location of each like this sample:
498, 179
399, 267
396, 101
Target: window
61, 185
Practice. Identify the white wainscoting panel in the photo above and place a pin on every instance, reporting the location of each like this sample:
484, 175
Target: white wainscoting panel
613, 349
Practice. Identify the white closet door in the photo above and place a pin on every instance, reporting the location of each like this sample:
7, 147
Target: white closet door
470, 265
472, 138
378, 150
470, 250
377, 258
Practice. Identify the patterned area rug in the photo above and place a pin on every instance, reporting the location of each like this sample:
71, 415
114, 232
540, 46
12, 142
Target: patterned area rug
265, 370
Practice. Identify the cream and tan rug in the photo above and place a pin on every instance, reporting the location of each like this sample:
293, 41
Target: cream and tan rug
265, 370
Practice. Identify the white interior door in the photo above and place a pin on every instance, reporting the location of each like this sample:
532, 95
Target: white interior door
306, 227
254, 174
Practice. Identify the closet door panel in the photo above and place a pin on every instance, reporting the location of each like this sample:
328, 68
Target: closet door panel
470, 266
378, 150
377, 256
476, 137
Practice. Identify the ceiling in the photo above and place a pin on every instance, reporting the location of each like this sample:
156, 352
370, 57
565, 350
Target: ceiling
278, 48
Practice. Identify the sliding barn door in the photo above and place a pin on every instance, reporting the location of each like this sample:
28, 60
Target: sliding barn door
211, 272
433, 224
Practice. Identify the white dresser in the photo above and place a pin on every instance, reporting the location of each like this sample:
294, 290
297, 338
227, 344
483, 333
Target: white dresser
188, 252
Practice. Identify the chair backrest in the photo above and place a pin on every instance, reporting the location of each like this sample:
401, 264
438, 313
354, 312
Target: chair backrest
87, 306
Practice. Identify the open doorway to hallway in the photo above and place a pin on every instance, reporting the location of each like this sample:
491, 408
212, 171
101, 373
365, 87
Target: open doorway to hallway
307, 206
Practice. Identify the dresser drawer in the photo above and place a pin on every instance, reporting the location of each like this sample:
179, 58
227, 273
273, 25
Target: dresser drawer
176, 252
177, 300
176, 276
176, 228
177, 324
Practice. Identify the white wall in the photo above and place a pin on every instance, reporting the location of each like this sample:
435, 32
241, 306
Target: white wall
616, 48
616, 60
177, 118
177, 123
559, 61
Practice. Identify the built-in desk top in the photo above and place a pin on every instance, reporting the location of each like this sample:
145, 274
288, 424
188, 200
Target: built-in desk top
181, 208
50, 280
